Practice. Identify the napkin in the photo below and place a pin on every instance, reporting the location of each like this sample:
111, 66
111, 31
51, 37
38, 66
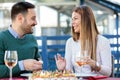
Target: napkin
97, 77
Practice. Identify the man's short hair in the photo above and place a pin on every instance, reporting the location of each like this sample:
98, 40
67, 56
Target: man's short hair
20, 7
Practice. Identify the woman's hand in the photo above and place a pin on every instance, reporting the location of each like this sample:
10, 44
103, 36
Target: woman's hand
91, 62
60, 62
93, 65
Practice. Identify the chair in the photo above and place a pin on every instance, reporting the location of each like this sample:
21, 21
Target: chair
112, 74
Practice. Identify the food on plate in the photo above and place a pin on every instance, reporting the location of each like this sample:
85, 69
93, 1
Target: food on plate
50, 74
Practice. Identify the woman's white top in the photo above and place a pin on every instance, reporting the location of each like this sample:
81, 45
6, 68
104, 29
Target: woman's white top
103, 54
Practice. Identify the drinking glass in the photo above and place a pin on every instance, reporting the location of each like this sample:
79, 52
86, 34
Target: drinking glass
79, 59
10, 59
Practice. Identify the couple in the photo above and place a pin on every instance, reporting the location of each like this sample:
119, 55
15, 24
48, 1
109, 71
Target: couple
19, 37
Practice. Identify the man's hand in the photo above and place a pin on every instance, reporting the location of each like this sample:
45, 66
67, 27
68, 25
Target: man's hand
31, 65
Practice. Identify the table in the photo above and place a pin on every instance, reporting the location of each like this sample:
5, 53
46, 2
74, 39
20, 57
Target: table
25, 78
15, 78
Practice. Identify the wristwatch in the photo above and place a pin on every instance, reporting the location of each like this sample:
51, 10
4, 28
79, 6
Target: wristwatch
97, 64
97, 67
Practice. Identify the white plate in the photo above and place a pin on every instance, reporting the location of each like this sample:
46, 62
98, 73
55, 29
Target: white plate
64, 78
84, 74
26, 74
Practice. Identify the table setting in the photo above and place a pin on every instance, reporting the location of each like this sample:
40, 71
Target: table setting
58, 75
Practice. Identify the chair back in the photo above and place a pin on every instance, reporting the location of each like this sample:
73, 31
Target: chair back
112, 74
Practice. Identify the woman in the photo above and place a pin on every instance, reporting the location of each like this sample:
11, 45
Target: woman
84, 29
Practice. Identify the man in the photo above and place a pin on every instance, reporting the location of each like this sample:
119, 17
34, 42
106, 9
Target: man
19, 37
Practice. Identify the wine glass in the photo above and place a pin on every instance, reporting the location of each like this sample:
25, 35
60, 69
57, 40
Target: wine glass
10, 59
80, 60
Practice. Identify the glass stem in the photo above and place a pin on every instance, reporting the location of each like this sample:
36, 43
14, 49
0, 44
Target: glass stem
81, 73
10, 73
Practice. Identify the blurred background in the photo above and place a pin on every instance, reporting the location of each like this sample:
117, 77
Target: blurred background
54, 16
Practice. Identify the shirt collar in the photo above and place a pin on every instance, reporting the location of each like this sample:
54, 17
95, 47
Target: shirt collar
15, 34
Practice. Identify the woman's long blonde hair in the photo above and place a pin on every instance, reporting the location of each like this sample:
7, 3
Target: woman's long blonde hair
88, 30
